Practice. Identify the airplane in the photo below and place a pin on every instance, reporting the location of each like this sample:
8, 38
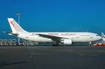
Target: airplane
103, 37
57, 38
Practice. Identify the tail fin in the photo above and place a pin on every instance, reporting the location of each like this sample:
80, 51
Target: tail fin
15, 27
102, 35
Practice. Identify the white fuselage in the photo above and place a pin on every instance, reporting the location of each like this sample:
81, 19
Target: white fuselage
74, 36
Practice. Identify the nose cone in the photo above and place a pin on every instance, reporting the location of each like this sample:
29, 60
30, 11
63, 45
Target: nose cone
99, 37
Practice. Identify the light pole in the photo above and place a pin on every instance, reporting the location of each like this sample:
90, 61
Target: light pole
18, 14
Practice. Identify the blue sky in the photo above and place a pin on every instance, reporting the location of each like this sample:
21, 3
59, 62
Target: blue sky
54, 15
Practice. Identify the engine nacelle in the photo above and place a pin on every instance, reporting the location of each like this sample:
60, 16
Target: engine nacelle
66, 41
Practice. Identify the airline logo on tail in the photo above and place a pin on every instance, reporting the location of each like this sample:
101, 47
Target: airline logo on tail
15, 26
12, 23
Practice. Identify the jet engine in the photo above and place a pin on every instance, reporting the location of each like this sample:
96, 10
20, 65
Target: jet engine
66, 41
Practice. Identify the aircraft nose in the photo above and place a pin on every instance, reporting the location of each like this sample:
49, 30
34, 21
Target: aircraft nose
99, 37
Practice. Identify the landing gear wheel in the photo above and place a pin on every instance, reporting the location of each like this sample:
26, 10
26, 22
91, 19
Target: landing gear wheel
56, 44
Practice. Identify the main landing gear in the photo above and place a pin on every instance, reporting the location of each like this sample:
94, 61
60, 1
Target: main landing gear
56, 43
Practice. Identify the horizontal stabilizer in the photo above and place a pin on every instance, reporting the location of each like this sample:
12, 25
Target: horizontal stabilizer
10, 33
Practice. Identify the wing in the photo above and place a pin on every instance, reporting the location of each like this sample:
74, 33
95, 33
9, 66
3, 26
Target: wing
54, 38
58, 39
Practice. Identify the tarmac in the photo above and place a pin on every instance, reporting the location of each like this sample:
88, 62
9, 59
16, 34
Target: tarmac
48, 57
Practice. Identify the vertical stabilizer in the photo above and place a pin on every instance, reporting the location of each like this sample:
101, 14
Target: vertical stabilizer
15, 27
103, 37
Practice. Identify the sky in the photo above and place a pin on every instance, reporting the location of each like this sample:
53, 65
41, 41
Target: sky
54, 15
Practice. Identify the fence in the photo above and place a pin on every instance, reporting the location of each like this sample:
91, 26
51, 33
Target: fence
13, 42
5, 42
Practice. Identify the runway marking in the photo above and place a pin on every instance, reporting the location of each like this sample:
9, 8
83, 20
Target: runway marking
31, 57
